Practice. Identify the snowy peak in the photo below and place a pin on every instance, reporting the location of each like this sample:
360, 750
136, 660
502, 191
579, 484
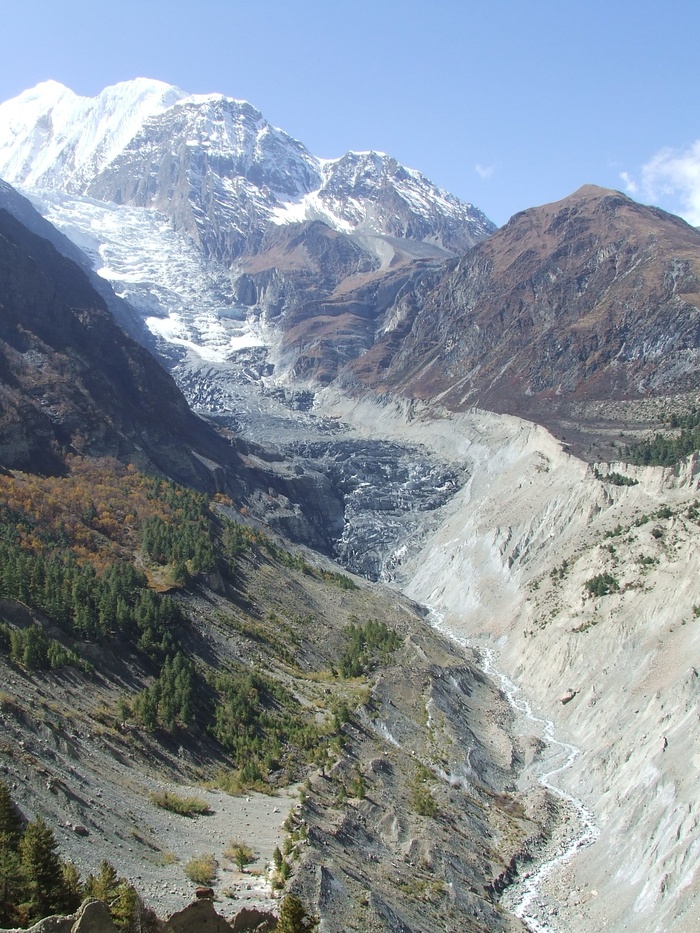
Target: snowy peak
219, 171
376, 194
239, 140
52, 138
370, 194
360, 173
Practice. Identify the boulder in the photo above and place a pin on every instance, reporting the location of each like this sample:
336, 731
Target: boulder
93, 917
252, 920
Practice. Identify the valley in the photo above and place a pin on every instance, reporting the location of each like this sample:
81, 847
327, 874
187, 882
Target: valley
401, 804
445, 640
506, 577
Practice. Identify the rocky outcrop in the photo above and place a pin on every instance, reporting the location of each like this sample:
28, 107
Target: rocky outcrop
251, 920
92, 917
198, 917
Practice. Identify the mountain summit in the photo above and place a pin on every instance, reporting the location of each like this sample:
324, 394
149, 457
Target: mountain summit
225, 234
587, 300
216, 167
52, 138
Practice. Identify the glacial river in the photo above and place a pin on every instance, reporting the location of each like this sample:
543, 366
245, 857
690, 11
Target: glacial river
524, 898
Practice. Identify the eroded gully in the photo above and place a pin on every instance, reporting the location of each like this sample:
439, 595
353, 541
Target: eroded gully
524, 898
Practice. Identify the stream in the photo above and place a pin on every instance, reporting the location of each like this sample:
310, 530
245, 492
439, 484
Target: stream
523, 897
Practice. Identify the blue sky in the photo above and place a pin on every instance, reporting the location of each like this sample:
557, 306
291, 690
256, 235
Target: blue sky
507, 103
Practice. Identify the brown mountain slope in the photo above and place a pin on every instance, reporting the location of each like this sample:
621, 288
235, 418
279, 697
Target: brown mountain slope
592, 298
325, 292
72, 381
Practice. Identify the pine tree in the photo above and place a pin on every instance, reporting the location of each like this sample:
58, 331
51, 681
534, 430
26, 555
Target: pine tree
41, 871
73, 888
126, 905
293, 918
10, 819
10, 869
11, 885
104, 885
116, 893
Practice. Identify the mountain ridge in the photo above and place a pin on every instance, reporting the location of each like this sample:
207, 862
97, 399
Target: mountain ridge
214, 225
44, 144
55, 330
589, 298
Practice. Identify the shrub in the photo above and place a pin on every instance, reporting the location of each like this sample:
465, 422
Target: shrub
185, 806
293, 917
602, 584
357, 786
558, 573
240, 853
201, 869
421, 799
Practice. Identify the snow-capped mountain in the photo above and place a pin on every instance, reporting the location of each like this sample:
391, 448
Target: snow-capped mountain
370, 193
216, 168
222, 230
52, 138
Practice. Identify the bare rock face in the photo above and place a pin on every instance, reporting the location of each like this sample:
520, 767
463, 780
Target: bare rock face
211, 166
252, 920
93, 917
201, 917
49, 925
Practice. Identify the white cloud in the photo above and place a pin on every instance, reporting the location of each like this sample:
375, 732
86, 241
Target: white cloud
631, 185
484, 171
671, 176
